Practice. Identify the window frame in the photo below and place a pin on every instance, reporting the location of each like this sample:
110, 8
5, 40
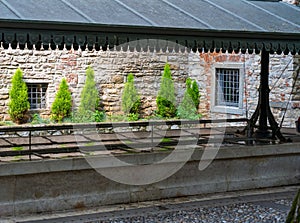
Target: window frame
45, 94
237, 110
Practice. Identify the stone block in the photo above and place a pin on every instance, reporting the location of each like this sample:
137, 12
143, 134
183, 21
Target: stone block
72, 78
118, 79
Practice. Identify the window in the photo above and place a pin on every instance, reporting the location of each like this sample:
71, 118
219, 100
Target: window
227, 88
37, 95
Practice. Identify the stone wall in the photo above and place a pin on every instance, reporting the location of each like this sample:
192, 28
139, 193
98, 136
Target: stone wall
283, 69
73, 184
111, 68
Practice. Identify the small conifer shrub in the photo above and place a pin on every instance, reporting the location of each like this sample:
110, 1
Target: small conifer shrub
62, 105
18, 98
89, 98
189, 105
195, 94
88, 110
166, 100
130, 98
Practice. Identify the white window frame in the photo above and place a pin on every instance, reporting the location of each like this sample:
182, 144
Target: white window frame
45, 94
238, 110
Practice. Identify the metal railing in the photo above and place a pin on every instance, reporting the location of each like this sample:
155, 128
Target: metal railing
13, 132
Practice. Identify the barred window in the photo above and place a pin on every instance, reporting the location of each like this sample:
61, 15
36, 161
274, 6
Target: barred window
37, 95
227, 87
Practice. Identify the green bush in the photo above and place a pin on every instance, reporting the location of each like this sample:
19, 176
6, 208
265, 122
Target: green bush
122, 118
132, 117
187, 108
130, 98
99, 116
166, 100
117, 118
89, 98
89, 101
18, 98
62, 105
195, 94
88, 116
37, 119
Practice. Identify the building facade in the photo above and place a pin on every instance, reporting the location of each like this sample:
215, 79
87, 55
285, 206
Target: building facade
228, 82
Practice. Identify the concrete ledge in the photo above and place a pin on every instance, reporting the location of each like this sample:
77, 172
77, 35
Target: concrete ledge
70, 184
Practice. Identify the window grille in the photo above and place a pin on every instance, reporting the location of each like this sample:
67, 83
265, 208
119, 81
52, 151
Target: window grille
227, 87
37, 95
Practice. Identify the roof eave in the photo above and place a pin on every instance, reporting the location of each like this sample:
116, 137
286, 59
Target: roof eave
291, 40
